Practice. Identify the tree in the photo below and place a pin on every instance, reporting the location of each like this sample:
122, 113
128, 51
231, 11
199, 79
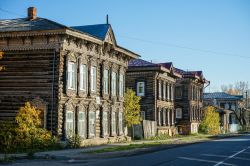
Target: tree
210, 123
131, 108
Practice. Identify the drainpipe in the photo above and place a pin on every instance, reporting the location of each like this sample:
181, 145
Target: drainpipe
52, 91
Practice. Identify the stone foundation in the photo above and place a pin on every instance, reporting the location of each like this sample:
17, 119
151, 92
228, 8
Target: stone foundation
169, 130
100, 141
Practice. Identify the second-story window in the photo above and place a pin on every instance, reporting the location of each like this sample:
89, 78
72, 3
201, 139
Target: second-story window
159, 88
178, 92
93, 78
164, 90
71, 75
106, 81
121, 85
83, 77
140, 88
113, 84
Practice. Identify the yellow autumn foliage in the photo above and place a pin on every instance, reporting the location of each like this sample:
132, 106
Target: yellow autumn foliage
211, 121
131, 108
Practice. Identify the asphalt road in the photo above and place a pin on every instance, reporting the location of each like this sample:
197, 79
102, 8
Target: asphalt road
224, 152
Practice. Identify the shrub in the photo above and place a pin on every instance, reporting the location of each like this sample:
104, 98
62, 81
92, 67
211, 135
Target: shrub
26, 135
210, 123
73, 141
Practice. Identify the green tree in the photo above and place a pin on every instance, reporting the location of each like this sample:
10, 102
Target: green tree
131, 108
210, 123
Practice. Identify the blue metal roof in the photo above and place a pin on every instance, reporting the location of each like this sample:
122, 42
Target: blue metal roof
221, 95
98, 30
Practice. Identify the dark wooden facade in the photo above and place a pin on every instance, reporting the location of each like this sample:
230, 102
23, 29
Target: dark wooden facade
189, 101
157, 102
36, 70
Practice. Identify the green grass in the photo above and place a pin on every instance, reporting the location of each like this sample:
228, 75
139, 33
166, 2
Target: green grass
127, 147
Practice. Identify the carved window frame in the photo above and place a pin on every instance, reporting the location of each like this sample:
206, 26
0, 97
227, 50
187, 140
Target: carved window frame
69, 108
83, 92
72, 59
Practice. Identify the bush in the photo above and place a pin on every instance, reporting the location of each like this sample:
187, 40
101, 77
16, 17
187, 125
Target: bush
74, 141
210, 123
26, 135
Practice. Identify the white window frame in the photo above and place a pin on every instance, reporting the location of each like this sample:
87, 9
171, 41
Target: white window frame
113, 123
178, 113
106, 81
71, 75
91, 122
121, 85
159, 89
140, 85
83, 77
82, 123
69, 132
113, 83
164, 90
93, 74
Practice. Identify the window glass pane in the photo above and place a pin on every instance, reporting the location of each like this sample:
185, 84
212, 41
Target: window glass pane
91, 124
81, 124
113, 86
83, 77
105, 81
69, 123
93, 78
140, 88
113, 124
121, 85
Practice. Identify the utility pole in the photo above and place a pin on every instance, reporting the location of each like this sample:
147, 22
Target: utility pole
246, 100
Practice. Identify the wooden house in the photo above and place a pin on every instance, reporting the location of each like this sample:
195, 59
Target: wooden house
155, 84
74, 75
227, 106
189, 100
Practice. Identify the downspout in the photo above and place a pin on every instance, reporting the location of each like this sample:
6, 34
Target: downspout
52, 89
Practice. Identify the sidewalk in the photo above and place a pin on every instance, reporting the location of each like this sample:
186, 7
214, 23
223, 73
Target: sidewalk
85, 152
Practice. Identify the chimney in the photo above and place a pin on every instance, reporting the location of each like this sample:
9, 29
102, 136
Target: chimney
31, 13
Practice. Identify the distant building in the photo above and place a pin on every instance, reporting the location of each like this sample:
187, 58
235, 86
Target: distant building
189, 100
155, 84
227, 105
74, 75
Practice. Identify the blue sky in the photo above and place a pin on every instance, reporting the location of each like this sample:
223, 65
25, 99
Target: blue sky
208, 35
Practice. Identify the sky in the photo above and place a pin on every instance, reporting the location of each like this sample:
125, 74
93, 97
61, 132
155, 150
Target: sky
208, 35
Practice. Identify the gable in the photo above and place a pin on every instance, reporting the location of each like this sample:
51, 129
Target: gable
110, 37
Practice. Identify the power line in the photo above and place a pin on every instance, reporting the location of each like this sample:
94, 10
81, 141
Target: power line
10, 12
183, 47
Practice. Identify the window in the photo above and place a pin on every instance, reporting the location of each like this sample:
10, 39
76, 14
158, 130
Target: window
71, 82
69, 123
120, 123
143, 115
91, 124
113, 123
172, 92
121, 85
178, 92
113, 84
140, 88
106, 81
93, 79
178, 113
159, 88
82, 124
164, 91
168, 91
105, 123
83, 77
